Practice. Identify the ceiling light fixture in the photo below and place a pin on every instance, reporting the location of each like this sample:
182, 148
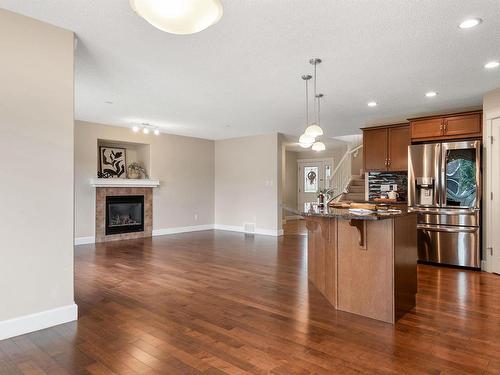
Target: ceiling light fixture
135, 129
314, 130
157, 131
145, 130
372, 104
492, 65
469, 23
431, 94
305, 140
179, 16
318, 145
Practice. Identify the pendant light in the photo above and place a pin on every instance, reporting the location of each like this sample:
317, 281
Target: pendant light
314, 130
306, 141
179, 16
318, 145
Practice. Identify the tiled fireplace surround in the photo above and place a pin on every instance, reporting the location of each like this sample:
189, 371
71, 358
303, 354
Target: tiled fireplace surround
100, 223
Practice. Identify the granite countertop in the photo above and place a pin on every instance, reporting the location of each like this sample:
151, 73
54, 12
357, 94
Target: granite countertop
312, 209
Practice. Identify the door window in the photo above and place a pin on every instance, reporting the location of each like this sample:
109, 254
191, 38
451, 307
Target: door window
461, 177
310, 179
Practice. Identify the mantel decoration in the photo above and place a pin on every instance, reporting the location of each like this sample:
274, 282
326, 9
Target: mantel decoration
313, 131
135, 171
111, 162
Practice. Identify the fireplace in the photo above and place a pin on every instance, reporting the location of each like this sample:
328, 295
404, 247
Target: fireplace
124, 214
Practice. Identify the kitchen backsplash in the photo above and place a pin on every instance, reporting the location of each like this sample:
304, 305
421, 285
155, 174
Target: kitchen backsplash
378, 180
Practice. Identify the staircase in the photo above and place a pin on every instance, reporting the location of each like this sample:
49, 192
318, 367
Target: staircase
355, 190
344, 185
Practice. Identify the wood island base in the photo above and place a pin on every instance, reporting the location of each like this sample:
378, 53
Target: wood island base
365, 267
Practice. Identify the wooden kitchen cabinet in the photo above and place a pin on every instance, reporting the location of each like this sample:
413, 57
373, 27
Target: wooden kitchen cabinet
385, 148
399, 140
375, 149
451, 126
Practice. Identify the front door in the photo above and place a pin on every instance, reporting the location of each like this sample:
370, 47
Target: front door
494, 199
314, 175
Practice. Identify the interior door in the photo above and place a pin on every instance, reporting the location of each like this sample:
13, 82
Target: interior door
313, 176
494, 169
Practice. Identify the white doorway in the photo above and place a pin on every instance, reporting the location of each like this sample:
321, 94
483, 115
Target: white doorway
493, 198
313, 175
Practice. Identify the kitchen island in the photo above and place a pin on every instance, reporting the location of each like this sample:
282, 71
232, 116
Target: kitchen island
365, 264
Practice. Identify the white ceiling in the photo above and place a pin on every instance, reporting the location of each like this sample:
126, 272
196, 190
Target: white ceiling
242, 76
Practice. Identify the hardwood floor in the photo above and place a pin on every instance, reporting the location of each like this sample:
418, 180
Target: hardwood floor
295, 228
219, 302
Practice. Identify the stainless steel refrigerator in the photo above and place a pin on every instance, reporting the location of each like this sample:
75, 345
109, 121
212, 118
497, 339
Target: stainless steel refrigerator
444, 187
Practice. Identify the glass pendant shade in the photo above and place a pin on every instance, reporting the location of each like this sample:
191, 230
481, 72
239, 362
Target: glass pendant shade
314, 131
179, 16
305, 141
319, 146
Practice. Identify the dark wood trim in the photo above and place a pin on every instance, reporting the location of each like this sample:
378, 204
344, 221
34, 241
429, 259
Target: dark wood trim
447, 114
386, 126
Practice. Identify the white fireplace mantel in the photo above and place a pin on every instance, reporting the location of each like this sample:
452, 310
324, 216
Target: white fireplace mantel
123, 182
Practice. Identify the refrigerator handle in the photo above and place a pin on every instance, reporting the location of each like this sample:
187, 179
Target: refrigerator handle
440, 183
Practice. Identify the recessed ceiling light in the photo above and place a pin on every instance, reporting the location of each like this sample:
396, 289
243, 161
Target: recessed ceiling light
431, 94
469, 23
372, 104
492, 64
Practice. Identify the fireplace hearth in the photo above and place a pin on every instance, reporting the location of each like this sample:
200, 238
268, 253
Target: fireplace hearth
124, 214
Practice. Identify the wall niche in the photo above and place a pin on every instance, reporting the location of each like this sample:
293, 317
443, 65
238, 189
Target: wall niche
133, 153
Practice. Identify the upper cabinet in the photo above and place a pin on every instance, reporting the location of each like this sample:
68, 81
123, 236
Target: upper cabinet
385, 148
453, 126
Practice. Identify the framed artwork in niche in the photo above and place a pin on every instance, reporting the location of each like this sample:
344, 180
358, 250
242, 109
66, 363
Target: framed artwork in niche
112, 162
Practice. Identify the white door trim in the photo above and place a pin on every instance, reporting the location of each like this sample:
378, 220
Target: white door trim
488, 240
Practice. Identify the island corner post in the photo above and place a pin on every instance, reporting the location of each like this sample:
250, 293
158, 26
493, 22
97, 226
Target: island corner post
365, 265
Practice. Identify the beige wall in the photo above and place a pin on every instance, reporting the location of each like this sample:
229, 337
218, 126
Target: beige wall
357, 163
291, 177
184, 166
331, 152
36, 148
247, 174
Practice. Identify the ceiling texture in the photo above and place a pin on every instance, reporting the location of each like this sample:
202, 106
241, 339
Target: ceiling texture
242, 76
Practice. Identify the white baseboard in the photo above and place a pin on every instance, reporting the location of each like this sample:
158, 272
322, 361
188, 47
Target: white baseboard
235, 228
35, 322
84, 240
192, 228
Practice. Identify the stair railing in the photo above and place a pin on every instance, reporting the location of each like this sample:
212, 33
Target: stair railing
342, 174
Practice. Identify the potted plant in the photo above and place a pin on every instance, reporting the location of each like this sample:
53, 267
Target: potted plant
135, 171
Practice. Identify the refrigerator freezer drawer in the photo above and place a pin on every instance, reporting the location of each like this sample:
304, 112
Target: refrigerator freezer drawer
451, 245
449, 217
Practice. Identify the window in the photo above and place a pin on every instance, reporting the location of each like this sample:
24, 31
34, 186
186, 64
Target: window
310, 179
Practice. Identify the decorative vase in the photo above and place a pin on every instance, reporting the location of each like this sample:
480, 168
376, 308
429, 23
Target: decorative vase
133, 174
